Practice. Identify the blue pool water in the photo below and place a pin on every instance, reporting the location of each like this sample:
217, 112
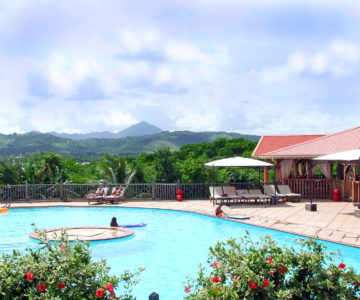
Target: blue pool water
170, 246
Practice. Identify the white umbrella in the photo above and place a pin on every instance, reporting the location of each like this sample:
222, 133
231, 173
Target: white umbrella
238, 162
350, 155
235, 162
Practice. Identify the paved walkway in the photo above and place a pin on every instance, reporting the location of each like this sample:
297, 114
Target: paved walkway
333, 221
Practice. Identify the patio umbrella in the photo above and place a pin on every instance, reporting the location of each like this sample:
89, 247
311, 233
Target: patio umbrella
236, 162
344, 156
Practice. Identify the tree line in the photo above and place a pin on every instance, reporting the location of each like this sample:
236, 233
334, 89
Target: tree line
162, 165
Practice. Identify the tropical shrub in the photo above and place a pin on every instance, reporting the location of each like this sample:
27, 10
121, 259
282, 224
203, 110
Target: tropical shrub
262, 270
61, 270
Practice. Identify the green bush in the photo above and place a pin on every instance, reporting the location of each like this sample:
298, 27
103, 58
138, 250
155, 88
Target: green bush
262, 270
61, 270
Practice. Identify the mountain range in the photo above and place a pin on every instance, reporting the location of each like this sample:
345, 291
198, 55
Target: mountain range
86, 148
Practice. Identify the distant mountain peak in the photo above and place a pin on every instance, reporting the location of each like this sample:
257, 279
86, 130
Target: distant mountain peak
139, 129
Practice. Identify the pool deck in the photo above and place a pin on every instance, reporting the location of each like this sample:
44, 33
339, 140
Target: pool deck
333, 221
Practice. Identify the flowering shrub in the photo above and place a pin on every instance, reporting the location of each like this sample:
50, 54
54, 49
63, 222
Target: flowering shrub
61, 271
262, 270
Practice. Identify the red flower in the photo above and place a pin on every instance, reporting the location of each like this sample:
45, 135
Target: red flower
217, 289
270, 260
346, 278
265, 283
29, 276
232, 278
215, 264
282, 270
113, 296
62, 247
61, 286
341, 265
100, 293
252, 285
187, 289
309, 254
216, 279
42, 287
109, 287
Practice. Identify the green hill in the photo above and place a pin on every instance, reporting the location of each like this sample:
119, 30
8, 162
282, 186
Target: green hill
33, 142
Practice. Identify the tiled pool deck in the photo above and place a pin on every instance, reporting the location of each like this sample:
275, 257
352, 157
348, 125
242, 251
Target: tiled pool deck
333, 221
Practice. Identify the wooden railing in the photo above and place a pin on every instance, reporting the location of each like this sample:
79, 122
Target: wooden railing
146, 191
321, 188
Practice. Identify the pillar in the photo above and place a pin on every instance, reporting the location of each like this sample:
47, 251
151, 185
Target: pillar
266, 173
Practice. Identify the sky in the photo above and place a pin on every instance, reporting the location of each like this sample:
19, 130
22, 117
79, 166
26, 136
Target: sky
247, 66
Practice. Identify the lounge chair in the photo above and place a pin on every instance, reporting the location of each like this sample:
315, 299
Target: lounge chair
217, 193
285, 189
99, 195
247, 196
231, 193
260, 195
115, 196
271, 191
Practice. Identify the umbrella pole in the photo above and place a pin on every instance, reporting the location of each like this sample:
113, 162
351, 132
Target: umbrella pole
213, 183
275, 179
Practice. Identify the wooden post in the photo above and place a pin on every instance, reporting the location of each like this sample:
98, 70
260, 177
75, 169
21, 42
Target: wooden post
311, 206
153, 190
359, 184
26, 190
62, 196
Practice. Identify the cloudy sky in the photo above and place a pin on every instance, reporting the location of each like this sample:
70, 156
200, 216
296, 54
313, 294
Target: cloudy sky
248, 66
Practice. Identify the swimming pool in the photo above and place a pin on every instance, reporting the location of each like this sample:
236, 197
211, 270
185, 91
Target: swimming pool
170, 246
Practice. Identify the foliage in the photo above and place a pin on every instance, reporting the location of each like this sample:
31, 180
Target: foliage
250, 269
61, 270
113, 168
163, 165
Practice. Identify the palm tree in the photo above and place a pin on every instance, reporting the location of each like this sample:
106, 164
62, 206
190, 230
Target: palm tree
113, 169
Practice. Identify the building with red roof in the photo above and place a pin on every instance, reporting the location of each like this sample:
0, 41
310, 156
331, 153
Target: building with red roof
292, 156
270, 143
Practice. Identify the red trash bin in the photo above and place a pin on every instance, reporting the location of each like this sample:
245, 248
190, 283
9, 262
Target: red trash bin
336, 195
179, 195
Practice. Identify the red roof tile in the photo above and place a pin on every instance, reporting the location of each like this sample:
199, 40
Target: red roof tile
270, 143
341, 141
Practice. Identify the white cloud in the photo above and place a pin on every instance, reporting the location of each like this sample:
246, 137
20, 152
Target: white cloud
338, 59
137, 40
185, 62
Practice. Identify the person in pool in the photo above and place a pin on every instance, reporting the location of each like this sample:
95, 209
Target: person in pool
114, 222
218, 211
